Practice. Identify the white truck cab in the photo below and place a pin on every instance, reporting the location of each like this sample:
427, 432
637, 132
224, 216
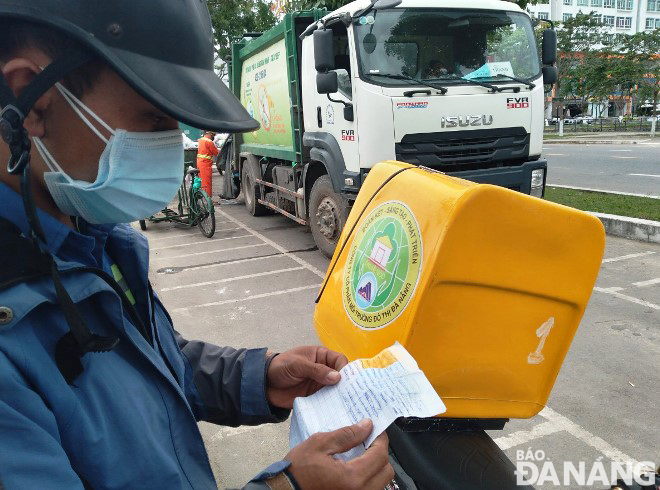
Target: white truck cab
454, 85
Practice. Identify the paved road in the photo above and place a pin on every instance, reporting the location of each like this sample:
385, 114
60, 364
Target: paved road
618, 168
254, 284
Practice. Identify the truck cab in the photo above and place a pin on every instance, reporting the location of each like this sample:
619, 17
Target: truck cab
451, 85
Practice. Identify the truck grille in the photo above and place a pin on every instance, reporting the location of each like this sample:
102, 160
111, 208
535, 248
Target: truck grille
458, 151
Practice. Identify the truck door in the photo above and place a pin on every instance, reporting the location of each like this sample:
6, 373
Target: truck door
334, 113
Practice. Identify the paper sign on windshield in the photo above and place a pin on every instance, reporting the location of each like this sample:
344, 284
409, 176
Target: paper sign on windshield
492, 70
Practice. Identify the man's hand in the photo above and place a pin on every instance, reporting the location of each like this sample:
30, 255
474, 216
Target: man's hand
313, 466
301, 372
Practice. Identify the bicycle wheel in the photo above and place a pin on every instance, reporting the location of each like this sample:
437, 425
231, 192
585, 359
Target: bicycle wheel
205, 213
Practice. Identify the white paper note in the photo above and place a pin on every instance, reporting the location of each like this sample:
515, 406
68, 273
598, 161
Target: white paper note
383, 388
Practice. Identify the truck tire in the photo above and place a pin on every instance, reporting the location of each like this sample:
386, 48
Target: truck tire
250, 188
327, 215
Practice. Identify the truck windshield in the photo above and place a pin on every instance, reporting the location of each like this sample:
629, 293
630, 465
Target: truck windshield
452, 45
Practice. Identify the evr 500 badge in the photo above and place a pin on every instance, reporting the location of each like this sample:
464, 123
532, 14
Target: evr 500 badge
517, 102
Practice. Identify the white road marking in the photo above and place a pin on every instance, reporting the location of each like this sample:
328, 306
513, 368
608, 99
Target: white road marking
555, 154
620, 150
645, 175
231, 279
239, 261
602, 190
629, 298
211, 252
650, 282
626, 257
627, 158
247, 298
525, 436
199, 243
614, 289
192, 233
587, 437
276, 246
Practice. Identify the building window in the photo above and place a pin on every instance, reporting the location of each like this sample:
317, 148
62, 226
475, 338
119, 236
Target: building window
623, 22
567, 17
583, 3
652, 5
608, 20
624, 4
596, 3
650, 23
608, 38
598, 18
609, 4
568, 2
543, 15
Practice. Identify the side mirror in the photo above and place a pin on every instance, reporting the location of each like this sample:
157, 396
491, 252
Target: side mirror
324, 56
327, 83
550, 75
386, 4
549, 47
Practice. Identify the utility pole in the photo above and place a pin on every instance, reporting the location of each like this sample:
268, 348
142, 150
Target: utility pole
555, 10
555, 16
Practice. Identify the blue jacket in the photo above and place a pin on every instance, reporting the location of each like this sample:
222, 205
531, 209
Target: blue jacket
130, 419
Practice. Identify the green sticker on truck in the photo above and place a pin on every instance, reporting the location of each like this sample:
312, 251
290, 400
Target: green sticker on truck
265, 95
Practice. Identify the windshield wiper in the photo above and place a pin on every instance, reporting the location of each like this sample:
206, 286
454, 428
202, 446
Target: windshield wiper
515, 79
493, 88
393, 76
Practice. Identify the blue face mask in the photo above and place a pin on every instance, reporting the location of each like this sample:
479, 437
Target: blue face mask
138, 173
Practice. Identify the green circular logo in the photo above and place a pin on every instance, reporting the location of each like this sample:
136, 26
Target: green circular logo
383, 266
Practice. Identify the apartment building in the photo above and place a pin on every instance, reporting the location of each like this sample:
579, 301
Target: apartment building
618, 16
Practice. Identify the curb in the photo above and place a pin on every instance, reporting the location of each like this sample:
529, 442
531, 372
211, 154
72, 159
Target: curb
642, 230
591, 142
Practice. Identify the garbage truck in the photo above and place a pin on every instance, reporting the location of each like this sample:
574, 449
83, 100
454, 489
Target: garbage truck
453, 85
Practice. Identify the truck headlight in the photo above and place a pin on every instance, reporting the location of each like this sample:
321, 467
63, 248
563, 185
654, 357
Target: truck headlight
537, 182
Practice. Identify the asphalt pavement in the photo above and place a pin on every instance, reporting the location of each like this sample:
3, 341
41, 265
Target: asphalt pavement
254, 284
617, 168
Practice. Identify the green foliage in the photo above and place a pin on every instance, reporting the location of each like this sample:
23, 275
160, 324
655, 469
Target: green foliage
233, 18
594, 65
636, 207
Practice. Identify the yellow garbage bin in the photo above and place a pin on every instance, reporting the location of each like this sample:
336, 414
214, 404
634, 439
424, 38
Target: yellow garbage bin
484, 286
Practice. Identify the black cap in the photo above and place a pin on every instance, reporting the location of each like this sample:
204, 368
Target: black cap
164, 49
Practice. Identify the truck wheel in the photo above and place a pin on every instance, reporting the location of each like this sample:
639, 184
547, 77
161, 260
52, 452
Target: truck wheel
327, 215
250, 188
143, 225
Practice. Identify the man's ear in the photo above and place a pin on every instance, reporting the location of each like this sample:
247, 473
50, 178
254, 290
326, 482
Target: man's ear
19, 73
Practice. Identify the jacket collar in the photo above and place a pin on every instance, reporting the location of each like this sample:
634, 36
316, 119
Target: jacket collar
62, 241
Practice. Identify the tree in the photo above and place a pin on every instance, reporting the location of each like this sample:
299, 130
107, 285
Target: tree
586, 61
233, 18
639, 59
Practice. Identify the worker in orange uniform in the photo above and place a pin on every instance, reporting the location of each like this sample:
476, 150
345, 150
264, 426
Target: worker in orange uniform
206, 151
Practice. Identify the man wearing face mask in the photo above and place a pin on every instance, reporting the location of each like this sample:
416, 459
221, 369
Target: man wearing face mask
97, 389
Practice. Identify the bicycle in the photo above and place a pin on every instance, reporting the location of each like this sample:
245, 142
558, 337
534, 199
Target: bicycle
194, 207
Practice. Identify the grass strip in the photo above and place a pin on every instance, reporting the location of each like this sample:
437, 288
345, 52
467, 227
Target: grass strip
632, 206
